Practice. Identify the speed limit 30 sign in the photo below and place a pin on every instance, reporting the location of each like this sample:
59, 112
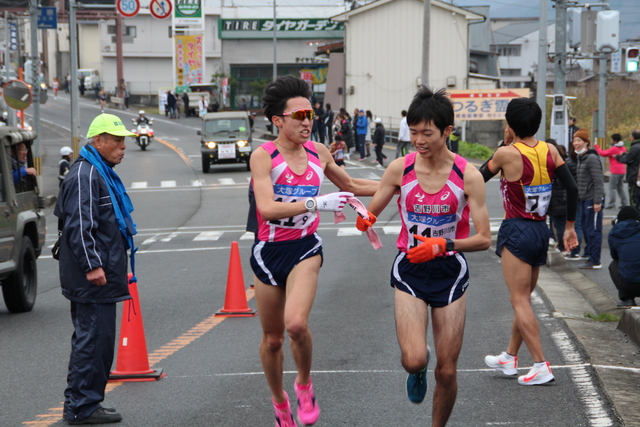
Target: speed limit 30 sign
128, 8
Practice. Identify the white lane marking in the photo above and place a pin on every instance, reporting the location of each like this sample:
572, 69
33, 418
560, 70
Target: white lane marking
248, 236
139, 184
349, 231
494, 226
226, 181
392, 229
197, 182
208, 235
169, 237
152, 239
166, 184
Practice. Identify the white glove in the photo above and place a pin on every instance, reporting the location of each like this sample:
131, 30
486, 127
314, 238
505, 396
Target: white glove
332, 202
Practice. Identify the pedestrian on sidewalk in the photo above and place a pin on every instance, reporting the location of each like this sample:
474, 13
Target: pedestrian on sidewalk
286, 175
632, 160
624, 244
617, 171
438, 191
96, 234
378, 141
404, 138
528, 168
591, 196
557, 211
361, 133
371, 127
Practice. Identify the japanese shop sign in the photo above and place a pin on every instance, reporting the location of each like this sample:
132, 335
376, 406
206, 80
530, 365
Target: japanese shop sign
188, 12
483, 104
285, 28
188, 60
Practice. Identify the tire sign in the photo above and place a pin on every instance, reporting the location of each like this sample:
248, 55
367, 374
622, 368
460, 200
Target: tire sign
128, 8
160, 9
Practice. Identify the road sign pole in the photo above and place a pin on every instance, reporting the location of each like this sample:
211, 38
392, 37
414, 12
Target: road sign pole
35, 86
73, 50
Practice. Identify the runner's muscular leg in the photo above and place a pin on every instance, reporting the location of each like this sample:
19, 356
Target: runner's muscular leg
448, 332
412, 319
301, 291
270, 301
515, 342
519, 277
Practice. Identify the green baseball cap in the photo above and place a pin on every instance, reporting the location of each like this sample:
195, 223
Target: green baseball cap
108, 123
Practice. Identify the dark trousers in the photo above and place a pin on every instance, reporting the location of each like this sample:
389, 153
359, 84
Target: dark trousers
558, 224
361, 146
592, 231
634, 195
92, 350
626, 290
379, 155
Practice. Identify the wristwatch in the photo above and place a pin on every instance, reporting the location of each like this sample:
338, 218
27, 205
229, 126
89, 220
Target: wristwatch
449, 245
310, 204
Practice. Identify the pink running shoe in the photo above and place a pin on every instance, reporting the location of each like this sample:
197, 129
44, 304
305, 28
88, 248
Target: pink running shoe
284, 417
308, 409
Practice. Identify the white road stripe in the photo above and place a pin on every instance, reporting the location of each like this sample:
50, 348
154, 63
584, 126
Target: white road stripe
248, 236
141, 184
208, 235
197, 183
169, 237
226, 181
349, 231
392, 229
166, 184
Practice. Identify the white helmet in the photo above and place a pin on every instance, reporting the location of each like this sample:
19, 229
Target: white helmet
5, 114
141, 112
66, 151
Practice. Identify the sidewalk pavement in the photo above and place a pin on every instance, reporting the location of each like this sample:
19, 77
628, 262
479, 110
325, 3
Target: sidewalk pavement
612, 349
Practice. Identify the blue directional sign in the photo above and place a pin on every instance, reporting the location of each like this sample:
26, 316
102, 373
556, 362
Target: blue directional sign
47, 18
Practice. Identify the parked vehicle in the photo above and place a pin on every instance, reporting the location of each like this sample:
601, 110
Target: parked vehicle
225, 138
144, 133
91, 77
23, 232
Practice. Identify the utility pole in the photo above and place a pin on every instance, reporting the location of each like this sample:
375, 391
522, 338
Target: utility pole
426, 29
73, 86
602, 93
560, 80
275, 56
35, 85
120, 57
541, 89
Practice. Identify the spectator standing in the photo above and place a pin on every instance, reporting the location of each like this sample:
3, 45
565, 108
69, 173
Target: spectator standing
590, 196
317, 133
371, 126
572, 164
361, 133
557, 211
163, 100
347, 131
126, 95
243, 105
81, 86
404, 139
328, 122
378, 141
93, 265
632, 160
617, 171
64, 164
171, 103
202, 106
67, 83
185, 102
571, 130
624, 244
454, 139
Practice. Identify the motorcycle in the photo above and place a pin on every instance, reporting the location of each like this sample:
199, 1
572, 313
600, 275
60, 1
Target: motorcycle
144, 133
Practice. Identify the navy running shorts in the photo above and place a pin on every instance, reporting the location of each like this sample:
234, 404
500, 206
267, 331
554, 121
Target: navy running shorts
527, 239
438, 282
272, 262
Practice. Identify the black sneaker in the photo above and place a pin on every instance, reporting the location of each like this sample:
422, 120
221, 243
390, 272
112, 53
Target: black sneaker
627, 303
99, 416
590, 266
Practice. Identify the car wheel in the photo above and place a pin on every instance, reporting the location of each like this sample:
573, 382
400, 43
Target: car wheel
205, 164
19, 289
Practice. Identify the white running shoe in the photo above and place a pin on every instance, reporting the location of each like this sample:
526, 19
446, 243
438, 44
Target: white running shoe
541, 375
500, 363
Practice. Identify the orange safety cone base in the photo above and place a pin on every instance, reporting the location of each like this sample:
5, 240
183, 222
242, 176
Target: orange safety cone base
154, 375
235, 313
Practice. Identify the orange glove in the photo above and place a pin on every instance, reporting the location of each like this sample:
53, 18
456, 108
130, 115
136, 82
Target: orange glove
428, 250
362, 223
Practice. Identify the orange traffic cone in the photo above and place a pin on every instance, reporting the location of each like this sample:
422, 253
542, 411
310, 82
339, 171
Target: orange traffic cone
133, 359
235, 301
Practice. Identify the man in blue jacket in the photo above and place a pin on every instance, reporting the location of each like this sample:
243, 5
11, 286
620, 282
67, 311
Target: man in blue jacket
624, 244
362, 124
97, 230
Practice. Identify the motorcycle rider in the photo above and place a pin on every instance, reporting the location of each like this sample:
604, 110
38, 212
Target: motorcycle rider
4, 118
141, 118
64, 164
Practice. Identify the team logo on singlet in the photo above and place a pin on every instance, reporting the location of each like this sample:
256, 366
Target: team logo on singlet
289, 178
420, 197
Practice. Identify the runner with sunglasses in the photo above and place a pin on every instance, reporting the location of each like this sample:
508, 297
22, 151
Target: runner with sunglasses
285, 199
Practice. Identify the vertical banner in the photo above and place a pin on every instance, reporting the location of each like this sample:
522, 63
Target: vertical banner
189, 59
188, 12
307, 77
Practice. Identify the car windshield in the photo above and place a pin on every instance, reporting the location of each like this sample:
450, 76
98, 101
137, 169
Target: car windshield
224, 126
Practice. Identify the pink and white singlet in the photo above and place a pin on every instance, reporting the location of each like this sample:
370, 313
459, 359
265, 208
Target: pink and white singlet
443, 214
288, 187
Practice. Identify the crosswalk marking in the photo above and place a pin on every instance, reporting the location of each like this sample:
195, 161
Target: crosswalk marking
349, 231
142, 184
168, 184
208, 236
248, 236
169, 237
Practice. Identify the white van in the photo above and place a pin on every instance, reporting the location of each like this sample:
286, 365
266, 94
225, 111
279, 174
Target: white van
91, 77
